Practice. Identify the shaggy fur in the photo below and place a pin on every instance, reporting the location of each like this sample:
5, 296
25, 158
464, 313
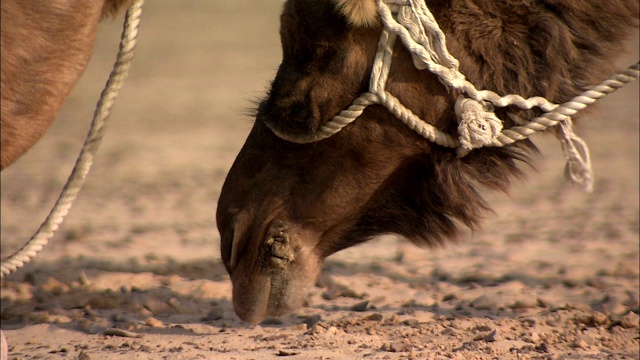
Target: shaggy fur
45, 47
376, 176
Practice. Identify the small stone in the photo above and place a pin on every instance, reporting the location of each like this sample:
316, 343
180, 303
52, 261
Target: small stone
332, 330
586, 339
411, 322
448, 297
121, 332
374, 317
580, 344
299, 328
599, 318
54, 287
286, 353
154, 323
543, 303
581, 307
570, 283
83, 356
629, 321
493, 336
543, 347
532, 338
83, 279
361, 306
584, 319
315, 329
483, 327
449, 331
312, 320
484, 302
524, 304
156, 306
175, 303
397, 347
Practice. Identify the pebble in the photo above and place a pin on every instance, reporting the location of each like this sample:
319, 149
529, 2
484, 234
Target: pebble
121, 332
554, 320
286, 353
599, 318
54, 287
531, 338
154, 323
580, 344
448, 297
449, 331
493, 336
411, 322
332, 330
584, 319
374, 317
312, 320
484, 302
575, 306
397, 347
483, 327
175, 303
361, 306
299, 328
524, 304
545, 303
629, 321
157, 306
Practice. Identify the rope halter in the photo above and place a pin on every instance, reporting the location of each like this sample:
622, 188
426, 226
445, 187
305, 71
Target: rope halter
413, 23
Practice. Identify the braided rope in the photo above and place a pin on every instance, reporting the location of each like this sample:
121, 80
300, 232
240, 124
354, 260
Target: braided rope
570, 108
91, 144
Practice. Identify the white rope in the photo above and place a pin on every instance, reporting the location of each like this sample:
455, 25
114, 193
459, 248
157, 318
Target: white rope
478, 125
91, 144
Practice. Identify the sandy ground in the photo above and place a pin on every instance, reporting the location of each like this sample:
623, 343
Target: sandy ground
135, 271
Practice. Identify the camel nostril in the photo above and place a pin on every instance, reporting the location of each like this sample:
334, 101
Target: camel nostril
227, 250
233, 238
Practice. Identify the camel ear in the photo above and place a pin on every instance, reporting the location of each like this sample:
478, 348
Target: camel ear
358, 12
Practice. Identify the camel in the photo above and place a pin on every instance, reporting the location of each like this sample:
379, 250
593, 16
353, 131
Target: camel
285, 206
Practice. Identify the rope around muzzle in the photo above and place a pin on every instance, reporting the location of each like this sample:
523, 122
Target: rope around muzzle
478, 125
83, 164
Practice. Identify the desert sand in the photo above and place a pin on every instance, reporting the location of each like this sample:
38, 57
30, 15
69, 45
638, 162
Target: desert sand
135, 270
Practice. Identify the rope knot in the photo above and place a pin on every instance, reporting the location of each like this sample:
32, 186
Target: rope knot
578, 168
477, 124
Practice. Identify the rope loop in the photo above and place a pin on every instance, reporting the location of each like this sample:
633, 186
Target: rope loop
578, 167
